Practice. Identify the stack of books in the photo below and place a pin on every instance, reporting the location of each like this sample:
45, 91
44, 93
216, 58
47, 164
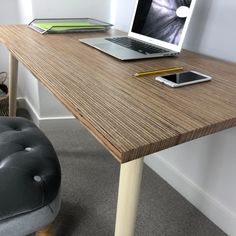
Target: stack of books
68, 25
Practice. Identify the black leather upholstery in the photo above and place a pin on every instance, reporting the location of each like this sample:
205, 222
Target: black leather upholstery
30, 173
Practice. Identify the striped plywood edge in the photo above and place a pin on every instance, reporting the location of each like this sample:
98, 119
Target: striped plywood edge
131, 116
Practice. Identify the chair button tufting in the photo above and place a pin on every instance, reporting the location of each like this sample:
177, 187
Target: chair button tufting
29, 163
37, 178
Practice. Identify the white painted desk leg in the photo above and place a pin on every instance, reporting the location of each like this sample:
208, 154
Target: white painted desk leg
128, 196
13, 74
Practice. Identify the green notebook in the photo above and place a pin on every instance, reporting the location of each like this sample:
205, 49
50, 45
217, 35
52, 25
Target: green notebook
65, 26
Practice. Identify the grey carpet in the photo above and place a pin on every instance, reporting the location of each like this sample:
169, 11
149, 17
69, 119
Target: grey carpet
89, 193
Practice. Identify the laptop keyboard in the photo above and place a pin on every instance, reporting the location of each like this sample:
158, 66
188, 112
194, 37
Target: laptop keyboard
136, 45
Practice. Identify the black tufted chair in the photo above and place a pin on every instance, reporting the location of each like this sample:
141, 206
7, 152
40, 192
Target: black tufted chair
30, 178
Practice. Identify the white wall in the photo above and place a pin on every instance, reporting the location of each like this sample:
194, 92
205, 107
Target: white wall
72, 8
122, 12
9, 15
9, 12
212, 30
25, 11
203, 170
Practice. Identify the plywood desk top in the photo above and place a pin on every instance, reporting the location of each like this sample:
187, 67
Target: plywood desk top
131, 116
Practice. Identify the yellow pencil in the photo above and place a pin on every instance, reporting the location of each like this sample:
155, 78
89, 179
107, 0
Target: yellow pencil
158, 71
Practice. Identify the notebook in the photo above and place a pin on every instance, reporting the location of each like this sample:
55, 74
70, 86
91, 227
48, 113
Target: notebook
158, 29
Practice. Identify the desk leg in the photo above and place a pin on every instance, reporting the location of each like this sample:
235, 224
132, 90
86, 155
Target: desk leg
13, 74
128, 195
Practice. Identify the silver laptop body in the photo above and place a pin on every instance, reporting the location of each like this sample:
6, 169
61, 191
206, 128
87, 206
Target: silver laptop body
158, 29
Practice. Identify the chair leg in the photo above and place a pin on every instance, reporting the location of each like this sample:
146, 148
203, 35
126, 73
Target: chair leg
46, 231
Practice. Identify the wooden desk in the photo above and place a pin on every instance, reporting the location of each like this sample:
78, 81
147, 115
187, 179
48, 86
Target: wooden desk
130, 116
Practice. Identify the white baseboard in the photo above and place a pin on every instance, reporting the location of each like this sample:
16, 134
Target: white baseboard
211, 208
40, 121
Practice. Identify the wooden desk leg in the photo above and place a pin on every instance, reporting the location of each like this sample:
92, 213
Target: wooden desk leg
128, 195
13, 74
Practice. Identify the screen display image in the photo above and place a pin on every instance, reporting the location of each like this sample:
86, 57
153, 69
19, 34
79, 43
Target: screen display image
183, 77
161, 19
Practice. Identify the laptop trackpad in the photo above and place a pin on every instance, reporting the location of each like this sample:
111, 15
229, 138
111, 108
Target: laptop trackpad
115, 50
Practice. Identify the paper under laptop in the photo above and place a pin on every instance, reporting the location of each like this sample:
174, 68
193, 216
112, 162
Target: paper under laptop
158, 29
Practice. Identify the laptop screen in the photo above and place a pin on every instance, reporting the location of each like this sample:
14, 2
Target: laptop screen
164, 20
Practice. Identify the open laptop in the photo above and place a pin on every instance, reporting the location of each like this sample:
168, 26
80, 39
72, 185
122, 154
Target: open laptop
158, 29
